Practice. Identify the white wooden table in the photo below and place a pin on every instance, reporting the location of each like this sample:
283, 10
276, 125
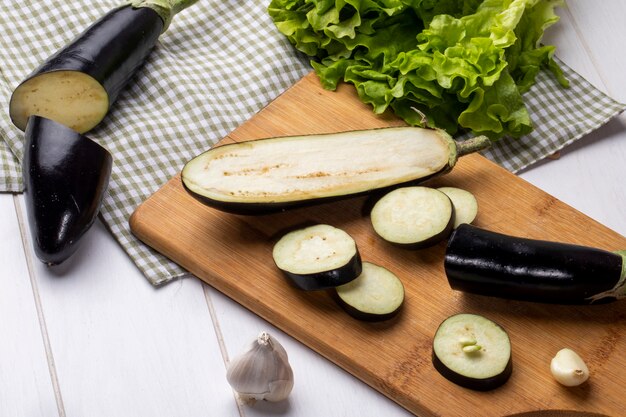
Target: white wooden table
97, 340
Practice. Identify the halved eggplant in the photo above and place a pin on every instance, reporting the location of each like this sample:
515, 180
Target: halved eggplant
78, 84
488, 263
473, 352
275, 174
413, 217
377, 294
464, 202
65, 176
318, 257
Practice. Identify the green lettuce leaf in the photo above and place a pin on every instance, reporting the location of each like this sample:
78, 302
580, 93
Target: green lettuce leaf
453, 64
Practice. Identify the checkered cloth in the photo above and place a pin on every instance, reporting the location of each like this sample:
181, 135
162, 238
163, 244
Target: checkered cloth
220, 62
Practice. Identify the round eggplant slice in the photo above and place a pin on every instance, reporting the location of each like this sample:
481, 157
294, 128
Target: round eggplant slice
375, 295
464, 202
473, 352
318, 257
413, 217
66, 175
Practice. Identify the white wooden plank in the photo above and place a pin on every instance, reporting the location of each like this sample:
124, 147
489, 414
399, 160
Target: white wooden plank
320, 388
601, 26
571, 48
124, 348
587, 176
25, 382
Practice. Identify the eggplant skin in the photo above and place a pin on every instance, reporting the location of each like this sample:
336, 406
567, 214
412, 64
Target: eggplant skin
493, 264
327, 279
377, 294
263, 208
486, 384
364, 316
110, 51
66, 176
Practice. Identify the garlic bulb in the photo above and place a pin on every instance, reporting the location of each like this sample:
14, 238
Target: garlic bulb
568, 368
262, 372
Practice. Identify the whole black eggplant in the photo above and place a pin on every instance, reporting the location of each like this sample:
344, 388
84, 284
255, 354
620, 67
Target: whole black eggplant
488, 263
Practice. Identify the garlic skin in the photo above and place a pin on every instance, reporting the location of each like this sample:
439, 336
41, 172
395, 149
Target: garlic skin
568, 368
262, 372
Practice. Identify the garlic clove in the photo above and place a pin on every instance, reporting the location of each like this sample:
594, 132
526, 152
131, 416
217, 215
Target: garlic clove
568, 368
262, 372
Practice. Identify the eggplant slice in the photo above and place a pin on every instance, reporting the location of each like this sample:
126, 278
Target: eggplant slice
464, 202
413, 217
274, 174
318, 257
375, 295
66, 175
494, 264
473, 352
77, 85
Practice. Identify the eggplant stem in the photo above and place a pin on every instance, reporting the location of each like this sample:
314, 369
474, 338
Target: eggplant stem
166, 9
619, 290
472, 145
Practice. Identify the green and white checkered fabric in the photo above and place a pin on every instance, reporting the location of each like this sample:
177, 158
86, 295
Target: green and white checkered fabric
218, 64
560, 116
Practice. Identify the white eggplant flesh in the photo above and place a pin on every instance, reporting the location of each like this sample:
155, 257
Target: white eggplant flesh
318, 257
465, 205
413, 217
71, 98
472, 351
375, 295
274, 174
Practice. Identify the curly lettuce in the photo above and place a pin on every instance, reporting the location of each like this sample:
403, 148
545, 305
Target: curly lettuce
457, 65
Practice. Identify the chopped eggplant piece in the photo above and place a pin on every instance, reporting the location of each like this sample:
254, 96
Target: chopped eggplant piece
377, 294
413, 217
66, 175
488, 263
464, 202
78, 84
67, 95
473, 352
318, 257
275, 174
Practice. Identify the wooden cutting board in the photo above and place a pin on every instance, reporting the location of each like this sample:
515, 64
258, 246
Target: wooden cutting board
233, 254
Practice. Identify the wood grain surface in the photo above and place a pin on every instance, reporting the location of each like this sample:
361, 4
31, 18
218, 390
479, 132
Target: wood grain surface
233, 254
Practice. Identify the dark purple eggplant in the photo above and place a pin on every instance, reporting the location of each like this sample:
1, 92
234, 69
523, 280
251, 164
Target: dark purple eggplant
65, 177
65, 173
77, 85
275, 174
488, 263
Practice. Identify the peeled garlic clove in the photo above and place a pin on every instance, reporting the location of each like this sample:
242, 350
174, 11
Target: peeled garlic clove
262, 372
568, 368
